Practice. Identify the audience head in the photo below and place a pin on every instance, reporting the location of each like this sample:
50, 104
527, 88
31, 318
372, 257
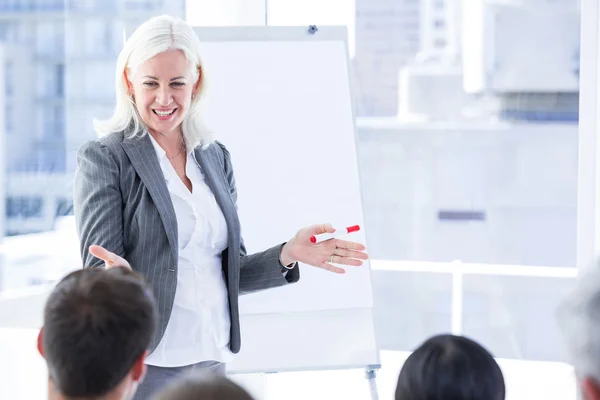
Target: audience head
98, 324
450, 367
204, 387
579, 319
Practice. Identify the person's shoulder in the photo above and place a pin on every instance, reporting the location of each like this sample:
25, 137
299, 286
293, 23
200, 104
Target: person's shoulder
217, 150
221, 148
112, 140
214, 148
110, 143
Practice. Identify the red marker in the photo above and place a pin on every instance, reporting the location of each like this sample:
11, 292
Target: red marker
338, 232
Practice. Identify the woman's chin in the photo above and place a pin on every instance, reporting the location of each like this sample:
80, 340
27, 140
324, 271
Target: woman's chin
164, 127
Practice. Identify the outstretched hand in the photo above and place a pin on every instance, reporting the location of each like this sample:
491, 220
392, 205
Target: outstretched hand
324, 254
110, 259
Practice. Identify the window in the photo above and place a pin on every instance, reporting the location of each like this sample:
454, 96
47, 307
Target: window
139, 5
88, 6
50, 38
51, 80
9, 117
50, 5
23, 207
59, 121
99, 83
317, 12
439, 43
60, 80
8, 78
52, 122
98, 38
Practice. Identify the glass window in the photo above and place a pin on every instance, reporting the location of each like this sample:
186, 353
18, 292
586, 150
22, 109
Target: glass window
11, 32
90, 5
459, 147
60, 80
98, 37
439, 23
75, 81
99, 78
8, 78
315, 12
50, 39
439, 42
45, 80
47, 38
75, 45
50, 80
50, 5
140, 4
55, 116
8, 113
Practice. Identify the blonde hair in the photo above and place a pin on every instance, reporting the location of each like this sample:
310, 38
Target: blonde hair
155, 36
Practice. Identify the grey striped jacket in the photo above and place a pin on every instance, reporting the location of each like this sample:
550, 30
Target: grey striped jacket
121, 202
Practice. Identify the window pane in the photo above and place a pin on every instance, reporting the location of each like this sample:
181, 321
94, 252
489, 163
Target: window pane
314, 12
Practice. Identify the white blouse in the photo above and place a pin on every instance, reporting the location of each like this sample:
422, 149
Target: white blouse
199, 326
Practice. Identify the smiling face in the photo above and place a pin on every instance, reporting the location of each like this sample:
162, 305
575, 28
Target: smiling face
163, 88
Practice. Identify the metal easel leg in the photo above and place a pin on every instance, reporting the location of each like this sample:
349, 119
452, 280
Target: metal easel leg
370, 375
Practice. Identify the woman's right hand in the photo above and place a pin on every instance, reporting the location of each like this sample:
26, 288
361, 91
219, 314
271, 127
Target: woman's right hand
110, 259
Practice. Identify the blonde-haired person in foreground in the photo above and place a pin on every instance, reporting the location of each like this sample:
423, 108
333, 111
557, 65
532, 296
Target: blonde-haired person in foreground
204, 388
579, 320
159, 195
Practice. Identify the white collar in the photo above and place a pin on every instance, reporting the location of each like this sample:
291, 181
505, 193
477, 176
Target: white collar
160, 152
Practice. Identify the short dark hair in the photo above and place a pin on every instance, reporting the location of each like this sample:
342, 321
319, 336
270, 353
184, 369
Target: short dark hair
450, 367
204, 387
97, 323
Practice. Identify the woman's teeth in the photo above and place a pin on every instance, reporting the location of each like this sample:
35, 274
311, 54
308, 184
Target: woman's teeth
164, 113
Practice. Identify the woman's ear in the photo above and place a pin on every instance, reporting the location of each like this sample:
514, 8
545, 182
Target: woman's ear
198, 84
40, 342
128, 83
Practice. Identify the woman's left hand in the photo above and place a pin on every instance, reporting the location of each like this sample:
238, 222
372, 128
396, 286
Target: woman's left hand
323, 254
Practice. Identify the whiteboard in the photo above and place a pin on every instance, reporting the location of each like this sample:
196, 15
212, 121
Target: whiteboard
279, 98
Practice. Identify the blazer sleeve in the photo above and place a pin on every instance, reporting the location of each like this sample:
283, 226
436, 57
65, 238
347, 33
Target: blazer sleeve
260, 270
97, 202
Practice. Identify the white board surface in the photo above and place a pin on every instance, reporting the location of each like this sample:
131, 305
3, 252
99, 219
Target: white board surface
279, 98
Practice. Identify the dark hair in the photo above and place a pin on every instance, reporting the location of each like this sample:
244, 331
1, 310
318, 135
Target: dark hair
450, 367
97, 323
204, 387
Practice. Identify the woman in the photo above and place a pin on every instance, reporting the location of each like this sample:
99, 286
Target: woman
450, 367
155, 190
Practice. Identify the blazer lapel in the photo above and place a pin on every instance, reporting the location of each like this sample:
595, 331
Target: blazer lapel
143, 158
212, 168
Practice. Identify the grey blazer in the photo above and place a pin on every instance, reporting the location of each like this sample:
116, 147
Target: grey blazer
121, 202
